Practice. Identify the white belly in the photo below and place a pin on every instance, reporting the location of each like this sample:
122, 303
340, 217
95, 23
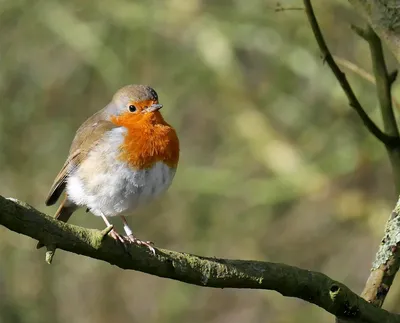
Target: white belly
110, 187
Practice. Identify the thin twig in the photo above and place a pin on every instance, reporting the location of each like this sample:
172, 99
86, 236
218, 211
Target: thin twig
279, 9
341, 77
393, 77
354, 68
383, 82
364, 74
359, 31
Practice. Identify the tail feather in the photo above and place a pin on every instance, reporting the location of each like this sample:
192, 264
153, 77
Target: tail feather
63, 214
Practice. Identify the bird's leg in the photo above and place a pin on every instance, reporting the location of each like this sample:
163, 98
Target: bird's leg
131, 238
114, 234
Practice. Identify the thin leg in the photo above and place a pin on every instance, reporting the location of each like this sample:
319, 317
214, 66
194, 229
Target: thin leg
132, 238
114, 234
127, 229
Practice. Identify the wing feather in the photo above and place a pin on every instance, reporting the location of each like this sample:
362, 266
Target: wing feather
86, 138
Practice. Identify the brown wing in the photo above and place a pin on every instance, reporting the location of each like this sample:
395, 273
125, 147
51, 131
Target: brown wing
87, 136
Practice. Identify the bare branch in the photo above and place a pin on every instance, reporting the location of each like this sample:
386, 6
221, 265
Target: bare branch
360, 31
279, 8
364, 74
393, 77
354, 68
383, 82
391, 141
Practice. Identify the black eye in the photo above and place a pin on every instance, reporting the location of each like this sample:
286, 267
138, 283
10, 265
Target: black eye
132, 108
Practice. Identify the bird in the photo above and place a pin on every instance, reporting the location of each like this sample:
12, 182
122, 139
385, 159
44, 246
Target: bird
121, 158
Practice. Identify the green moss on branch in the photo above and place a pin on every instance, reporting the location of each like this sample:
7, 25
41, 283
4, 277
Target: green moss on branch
290, 281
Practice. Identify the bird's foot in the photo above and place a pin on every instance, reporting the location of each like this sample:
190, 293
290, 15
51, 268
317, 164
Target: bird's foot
148, 244
116, 236
130, 239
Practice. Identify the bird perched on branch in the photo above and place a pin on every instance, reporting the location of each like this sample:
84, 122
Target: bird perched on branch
122, 157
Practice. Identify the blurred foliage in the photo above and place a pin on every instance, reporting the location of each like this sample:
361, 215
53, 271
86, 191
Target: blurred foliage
275, 165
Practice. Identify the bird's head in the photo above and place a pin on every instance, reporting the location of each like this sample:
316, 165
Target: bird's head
135, 104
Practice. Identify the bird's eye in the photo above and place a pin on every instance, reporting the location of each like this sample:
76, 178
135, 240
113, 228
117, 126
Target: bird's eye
132, 108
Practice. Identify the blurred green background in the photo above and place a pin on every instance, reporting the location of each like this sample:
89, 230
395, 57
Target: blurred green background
274, 164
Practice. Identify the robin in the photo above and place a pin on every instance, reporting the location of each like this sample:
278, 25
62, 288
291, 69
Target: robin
122, 157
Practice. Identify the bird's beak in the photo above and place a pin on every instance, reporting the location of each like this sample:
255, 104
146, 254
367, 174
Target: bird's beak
154, 107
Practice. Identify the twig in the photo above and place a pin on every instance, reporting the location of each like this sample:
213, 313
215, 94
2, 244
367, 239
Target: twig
393, 77
106, 231
360, 31
290, 281
354, 68
341, 77
279, 8
383, 82
364, 74
51, 249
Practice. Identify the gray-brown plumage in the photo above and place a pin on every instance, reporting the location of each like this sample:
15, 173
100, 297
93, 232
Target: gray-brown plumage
93, 136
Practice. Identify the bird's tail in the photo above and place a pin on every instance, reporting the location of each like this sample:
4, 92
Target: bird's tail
63, 214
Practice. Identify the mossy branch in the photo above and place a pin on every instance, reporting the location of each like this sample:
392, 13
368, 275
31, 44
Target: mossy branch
290, 281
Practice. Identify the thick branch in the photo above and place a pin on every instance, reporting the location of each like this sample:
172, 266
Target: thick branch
386, 262
384, 17
290, 281
341, 77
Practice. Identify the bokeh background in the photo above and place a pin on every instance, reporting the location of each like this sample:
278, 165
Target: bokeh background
274, 166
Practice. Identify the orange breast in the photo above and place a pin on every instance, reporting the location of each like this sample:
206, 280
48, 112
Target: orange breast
148, 141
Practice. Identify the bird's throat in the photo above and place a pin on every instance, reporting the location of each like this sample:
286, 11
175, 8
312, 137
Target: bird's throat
149, 141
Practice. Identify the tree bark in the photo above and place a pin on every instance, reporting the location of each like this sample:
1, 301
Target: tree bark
290, 281
384, 18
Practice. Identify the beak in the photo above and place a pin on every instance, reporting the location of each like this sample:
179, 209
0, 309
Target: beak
154, 107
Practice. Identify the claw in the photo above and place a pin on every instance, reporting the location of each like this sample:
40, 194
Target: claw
148, 244
116, 236
131, 239
126, 240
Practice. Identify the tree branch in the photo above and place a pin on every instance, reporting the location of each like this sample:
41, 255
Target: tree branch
354, 68
387, 261
391, 141
383, 82
384, 18
365, 75
290, 281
